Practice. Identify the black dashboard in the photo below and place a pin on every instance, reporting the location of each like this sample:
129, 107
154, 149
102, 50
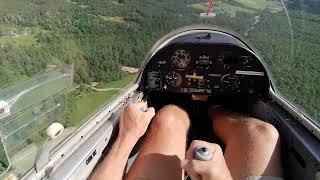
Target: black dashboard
204, 68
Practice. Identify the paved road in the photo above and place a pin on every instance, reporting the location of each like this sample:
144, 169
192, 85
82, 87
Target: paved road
106, 89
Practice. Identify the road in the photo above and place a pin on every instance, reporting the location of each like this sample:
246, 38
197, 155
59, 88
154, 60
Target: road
106, 89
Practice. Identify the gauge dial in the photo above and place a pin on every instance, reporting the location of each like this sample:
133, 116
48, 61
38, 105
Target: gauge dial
230, 82
181, 58
173, 79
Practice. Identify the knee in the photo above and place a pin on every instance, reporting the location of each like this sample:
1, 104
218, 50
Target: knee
256, 130
171, 117
261, 130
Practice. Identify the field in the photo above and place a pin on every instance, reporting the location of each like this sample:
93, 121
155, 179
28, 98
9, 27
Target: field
115, 19
118, 84
261, 4
220, 7
233, 7
85, 105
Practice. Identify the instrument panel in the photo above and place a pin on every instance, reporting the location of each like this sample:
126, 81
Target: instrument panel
205, 69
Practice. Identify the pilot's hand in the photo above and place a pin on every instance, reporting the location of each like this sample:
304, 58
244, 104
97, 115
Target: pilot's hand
135, 119
214, 169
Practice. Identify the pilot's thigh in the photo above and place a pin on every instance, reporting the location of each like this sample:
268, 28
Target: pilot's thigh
252, 146
164, 146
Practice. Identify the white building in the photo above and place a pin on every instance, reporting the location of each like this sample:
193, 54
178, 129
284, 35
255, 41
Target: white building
4, 109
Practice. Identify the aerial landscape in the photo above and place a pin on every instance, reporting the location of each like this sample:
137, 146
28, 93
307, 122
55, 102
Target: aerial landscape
97, 38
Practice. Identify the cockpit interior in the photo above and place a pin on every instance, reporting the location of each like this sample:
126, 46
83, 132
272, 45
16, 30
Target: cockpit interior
200, 69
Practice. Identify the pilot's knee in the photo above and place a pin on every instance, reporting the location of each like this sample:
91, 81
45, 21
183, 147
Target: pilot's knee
171, 117
262, 130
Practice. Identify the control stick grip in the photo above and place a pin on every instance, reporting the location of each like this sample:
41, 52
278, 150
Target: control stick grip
203, 153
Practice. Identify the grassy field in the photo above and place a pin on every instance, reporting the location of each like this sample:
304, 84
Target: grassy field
21, 40
261, 4
14, 4
231, 8
220, 7
116, 19
18, 35
89, 103
119, 84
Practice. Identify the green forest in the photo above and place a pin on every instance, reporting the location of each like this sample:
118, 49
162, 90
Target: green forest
99, 36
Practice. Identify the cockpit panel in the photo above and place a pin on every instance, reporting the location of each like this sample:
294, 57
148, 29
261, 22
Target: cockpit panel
205, 69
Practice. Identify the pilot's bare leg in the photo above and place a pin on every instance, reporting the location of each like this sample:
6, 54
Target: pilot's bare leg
164, 146
252, 146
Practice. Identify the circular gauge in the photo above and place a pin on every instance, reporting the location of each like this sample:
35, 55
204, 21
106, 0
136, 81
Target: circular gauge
230, 82
173, 79
181, 58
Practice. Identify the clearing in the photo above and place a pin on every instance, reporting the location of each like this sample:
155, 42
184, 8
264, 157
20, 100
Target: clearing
90, 103
232, 7
116, 19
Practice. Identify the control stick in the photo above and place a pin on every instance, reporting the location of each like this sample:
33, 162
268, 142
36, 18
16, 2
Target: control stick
203, 153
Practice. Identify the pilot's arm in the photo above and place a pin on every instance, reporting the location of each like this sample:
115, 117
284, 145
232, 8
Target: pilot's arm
134, 122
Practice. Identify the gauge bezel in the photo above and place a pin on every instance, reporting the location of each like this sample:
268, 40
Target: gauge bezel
177, 61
